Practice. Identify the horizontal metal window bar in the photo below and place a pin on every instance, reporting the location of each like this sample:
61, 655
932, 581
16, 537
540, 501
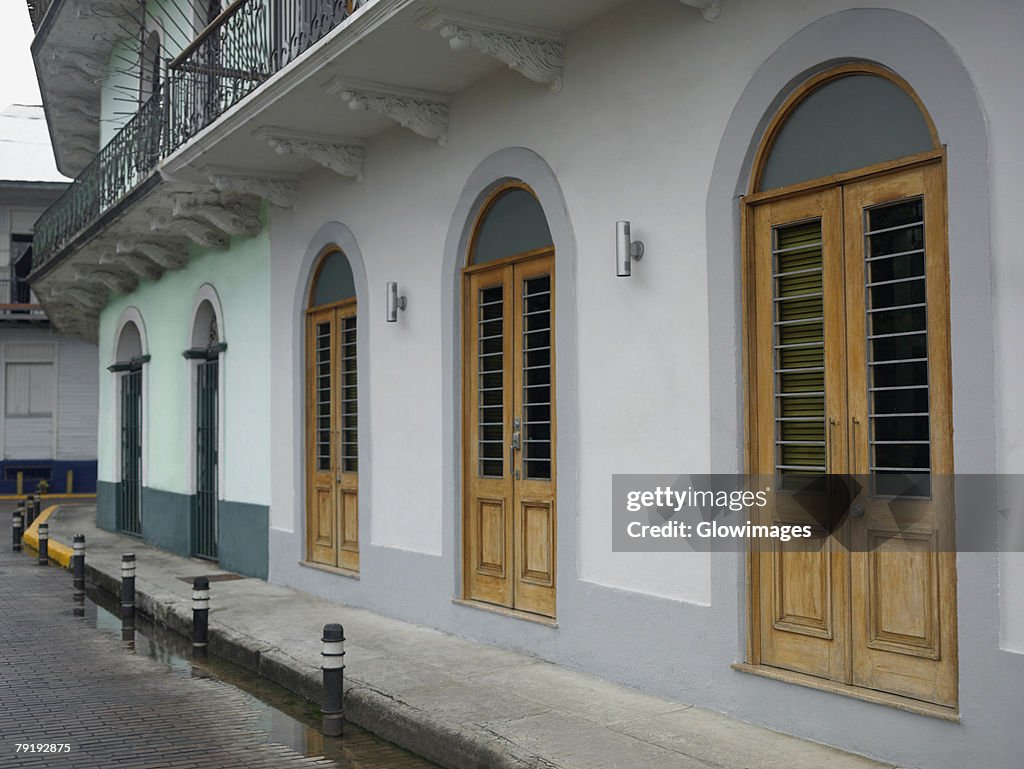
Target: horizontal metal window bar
493, 303
901, 443
896, 361
895, 228
805, 370
797, 296
536, 349
922, 470
896, 388
800, 419
537, 312
901, 414
545, 330
490, 337
489, 354
911, 252
534, 386
802, 394
541, 367
489, 389
799, 443
894, 307
801, 271
919, 332
804, 247
796, 345
818, 319
808, 468
893, 281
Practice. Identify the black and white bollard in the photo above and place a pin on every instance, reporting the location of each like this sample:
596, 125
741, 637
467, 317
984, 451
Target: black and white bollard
200, 616
78, 574
37, 506
128, 586
333, 655
44, 544
30, 511
17, 529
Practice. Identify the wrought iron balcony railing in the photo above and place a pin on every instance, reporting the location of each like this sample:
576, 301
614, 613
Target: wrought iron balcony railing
239, 50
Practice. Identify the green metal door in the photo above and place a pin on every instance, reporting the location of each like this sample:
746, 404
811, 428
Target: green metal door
129, 509
204, 524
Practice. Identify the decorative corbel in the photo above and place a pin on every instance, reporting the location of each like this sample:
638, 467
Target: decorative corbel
537, 54
423, 114
199, 231
278, 190
231, 215
343, 157
163, 256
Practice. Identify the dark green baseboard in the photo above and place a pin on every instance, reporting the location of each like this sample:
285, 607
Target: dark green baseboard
242, 529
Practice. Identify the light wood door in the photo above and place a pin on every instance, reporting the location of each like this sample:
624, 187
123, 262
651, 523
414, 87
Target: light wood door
903, 564
509, 518
332, 517
851, 377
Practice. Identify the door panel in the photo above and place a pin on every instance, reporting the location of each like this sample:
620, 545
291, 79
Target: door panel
851, 377
800, 380
488, 422
903, 561
332, 429
509, 521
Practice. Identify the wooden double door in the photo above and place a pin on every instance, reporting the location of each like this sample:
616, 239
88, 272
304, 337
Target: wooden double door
509, 517
332, 452
850, 375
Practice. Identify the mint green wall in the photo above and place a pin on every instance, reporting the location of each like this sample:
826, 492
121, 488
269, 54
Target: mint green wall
241, 278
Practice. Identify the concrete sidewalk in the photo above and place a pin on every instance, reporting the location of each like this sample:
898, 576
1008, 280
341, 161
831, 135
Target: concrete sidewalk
462, 704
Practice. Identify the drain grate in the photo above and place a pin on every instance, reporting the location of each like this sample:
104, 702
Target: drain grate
213, 577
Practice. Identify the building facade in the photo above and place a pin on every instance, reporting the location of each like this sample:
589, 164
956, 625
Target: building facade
362, 330
49, 383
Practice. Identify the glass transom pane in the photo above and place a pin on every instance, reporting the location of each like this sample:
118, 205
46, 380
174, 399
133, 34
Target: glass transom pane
514, 224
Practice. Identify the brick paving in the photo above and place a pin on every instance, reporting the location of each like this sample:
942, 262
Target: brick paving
62, 681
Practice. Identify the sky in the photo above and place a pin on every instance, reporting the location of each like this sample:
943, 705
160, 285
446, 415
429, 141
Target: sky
17, 75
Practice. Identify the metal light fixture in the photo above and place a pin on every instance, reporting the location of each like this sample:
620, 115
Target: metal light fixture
627, 250
395, 302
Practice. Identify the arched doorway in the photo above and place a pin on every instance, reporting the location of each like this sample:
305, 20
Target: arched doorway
509, 415
129, 357
332, 416
849, 377
204, 354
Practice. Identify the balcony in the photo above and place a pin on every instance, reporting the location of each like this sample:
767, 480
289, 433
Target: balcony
16, 302
246, 44
269, 91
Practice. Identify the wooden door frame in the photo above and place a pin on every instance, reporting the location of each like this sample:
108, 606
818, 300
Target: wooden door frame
309, 449
470, 269
750, 384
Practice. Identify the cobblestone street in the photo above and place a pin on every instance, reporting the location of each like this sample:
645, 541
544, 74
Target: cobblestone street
65, 682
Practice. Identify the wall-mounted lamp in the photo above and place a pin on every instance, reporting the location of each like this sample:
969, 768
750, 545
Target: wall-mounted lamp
627, 250
395, 302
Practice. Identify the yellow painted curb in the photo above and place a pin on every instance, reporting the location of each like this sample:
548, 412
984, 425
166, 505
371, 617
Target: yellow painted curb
58, 552
15, 497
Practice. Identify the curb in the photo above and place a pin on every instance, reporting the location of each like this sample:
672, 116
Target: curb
451, 745
58, 551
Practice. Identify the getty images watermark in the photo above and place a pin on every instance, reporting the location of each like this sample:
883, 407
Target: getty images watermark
668, 513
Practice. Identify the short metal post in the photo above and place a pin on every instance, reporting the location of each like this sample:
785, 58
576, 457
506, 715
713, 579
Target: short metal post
37, 506
128, 586
17, 529
78, 574
200, 616
44, 544
333, 655
30, 511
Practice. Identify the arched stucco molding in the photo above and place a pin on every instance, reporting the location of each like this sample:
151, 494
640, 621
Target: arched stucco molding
332, 234
130, 316
206, 293
920, 55
133, 316
525, 165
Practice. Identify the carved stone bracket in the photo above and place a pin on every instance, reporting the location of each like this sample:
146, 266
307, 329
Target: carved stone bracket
233, 215
343, 157
117, 280
166, 257
537, 54
711, 9
279, 191
198, 230
426, 115
135, 263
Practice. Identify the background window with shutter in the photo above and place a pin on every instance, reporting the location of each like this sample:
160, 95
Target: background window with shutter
29, 390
